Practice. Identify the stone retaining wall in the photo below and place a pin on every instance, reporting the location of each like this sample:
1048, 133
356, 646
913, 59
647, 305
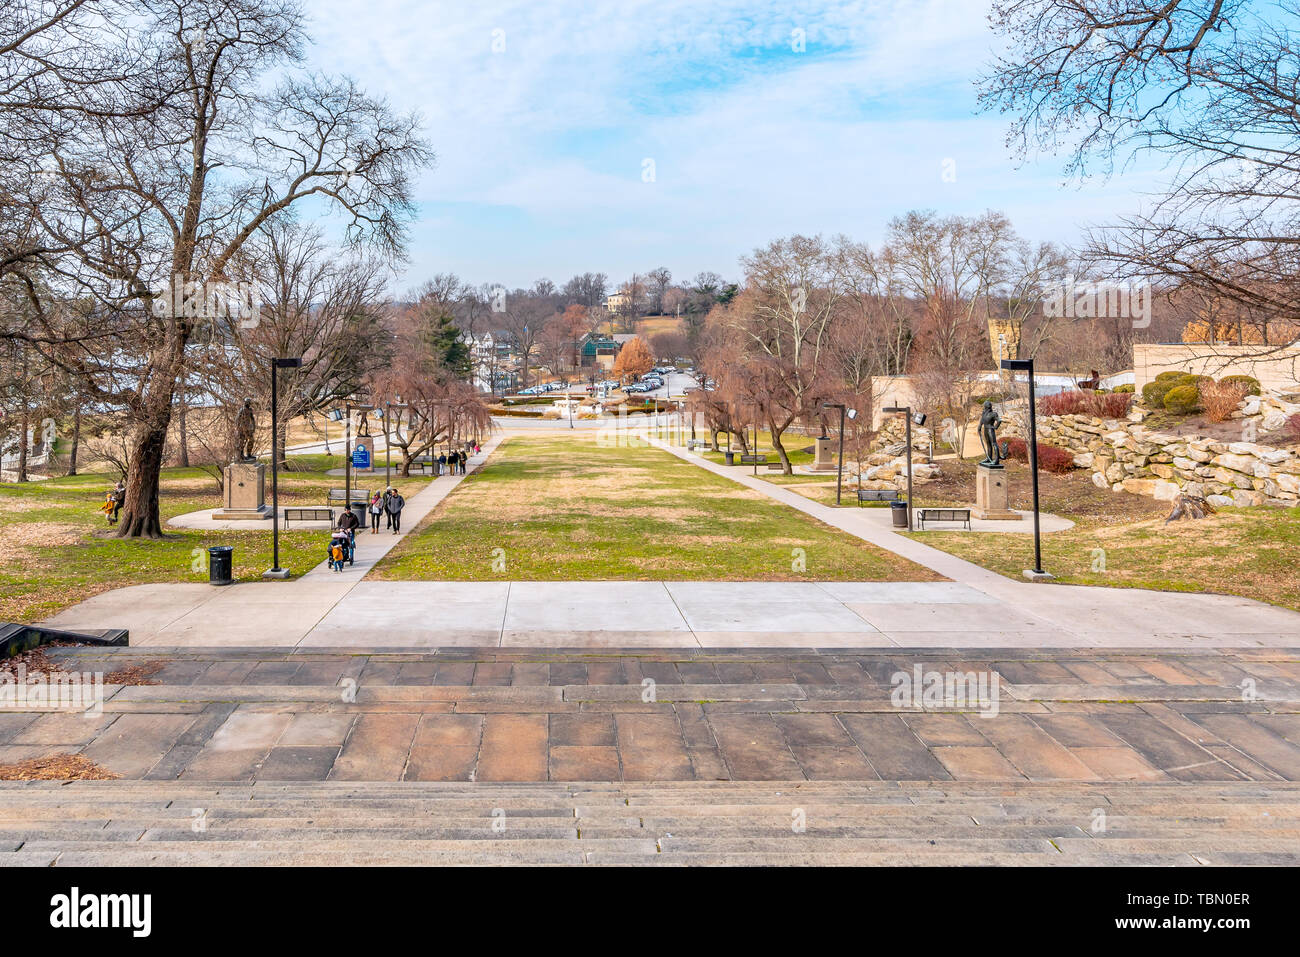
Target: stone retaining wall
1126, 456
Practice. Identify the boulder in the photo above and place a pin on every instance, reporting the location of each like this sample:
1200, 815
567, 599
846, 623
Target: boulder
1247, 499
1099, 480
1219, 501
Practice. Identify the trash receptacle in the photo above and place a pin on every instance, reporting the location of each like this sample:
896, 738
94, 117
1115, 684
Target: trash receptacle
359, 510
731, 457
898, 512
220, 564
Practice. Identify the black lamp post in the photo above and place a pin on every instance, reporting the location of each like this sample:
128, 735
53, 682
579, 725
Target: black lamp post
1027, 365
839, 472
909, 418
276, 365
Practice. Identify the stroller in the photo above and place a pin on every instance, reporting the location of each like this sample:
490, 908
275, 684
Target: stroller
340, 549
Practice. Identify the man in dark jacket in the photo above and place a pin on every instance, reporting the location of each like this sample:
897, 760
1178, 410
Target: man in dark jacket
395, 505
348, 521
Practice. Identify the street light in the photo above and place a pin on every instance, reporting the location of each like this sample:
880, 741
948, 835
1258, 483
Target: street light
919, 419
348, 409
1027, 365
839, 472
275, 571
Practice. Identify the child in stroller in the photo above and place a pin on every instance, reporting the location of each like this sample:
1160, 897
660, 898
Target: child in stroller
340, 549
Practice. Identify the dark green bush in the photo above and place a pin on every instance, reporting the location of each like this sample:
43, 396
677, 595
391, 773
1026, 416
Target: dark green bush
1249, 384
1183, 399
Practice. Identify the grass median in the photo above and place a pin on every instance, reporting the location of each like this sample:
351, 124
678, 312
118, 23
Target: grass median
570, 509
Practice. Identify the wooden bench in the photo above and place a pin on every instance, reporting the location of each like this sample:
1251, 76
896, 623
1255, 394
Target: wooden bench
753, 460
878, 495
309, 515
775, 466
924, 515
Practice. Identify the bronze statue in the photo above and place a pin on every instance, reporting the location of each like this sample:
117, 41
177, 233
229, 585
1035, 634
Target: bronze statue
245, 429
989, 422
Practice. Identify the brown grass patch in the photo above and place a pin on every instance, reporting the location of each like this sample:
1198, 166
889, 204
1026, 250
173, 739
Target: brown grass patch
57, 767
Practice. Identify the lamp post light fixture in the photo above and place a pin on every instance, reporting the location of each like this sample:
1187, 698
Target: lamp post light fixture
910, 417
839, 471
1027, 365
275, 571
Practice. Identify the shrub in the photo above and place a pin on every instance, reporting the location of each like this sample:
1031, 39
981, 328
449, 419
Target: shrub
1221, 399
1153, 393
1063, 403
1107, 405
1248, 384
1183, 399
1050, 458
1126, 387
1113, 405
1169, 376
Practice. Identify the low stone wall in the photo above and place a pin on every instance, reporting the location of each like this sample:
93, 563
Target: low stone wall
1123, 455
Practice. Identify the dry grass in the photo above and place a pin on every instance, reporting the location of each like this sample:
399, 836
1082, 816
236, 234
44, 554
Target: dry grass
571, 510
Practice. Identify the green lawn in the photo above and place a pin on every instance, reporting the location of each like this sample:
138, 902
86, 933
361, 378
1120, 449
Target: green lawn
569, 510
1121, 540
59, 550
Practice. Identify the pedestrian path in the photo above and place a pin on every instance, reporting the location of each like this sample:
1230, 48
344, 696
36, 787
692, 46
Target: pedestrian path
976, 609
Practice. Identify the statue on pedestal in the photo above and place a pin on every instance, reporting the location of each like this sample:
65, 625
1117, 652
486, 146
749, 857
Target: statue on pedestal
989, 423
245, 429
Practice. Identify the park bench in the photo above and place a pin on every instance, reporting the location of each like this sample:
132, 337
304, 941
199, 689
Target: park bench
924, 515
877, 495
308, 515
358, 495
753, 460
422, 462
775, 466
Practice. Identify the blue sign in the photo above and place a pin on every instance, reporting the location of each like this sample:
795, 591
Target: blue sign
361, 457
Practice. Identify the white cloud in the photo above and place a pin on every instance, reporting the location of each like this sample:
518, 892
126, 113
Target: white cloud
540, 144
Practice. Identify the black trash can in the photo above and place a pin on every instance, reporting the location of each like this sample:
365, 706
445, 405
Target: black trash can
731, 457
359, 510
898, 512
220, 564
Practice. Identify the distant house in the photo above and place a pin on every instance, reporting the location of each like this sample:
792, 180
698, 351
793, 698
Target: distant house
618, 302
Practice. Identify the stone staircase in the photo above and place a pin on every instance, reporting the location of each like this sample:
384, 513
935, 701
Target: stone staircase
94, 823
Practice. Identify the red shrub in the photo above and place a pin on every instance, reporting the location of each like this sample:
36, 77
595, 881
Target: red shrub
1107, 405
1063, 403
1111, 405
1050, 458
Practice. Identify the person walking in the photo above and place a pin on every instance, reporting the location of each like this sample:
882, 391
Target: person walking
395, 506
376, 509
388, 501
349, 522
442, 462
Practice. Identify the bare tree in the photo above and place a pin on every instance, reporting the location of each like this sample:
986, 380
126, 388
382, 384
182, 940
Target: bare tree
137, 161
1207, 85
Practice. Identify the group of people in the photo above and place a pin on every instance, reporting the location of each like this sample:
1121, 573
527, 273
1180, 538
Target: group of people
389, 503
453, 463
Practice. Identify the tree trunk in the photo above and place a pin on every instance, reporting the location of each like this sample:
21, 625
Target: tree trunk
780, 449
76, 441
182, 423
23, 421
140, 517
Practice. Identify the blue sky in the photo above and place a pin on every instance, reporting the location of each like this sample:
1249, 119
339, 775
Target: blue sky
760, 119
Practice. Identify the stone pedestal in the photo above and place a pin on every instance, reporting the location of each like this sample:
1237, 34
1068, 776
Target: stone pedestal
825, 457
992, 497
245, 495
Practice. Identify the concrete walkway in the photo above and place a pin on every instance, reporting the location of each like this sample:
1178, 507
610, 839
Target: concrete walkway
976, 609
